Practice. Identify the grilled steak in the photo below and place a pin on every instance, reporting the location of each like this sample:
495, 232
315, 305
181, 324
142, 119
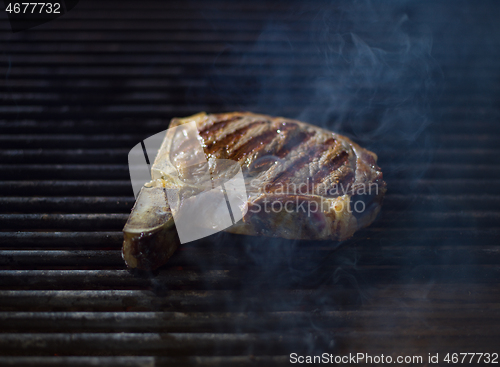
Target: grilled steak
302, 182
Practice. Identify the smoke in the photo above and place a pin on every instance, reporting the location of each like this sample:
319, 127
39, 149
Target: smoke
377, 72
361, 68
364, 69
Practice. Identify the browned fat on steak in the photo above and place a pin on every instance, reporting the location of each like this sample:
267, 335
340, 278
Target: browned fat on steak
302, 182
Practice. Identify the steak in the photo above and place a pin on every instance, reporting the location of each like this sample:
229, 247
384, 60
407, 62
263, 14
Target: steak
301, 181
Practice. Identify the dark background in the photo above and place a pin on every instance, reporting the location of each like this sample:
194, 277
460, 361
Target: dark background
415, 82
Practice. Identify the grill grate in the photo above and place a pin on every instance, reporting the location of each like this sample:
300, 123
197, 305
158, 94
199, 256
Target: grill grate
82, 90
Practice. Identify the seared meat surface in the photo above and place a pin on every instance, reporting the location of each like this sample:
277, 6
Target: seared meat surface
302, 182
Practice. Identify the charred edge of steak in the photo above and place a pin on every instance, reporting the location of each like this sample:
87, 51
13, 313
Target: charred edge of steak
371, 199
150, 234
150, 250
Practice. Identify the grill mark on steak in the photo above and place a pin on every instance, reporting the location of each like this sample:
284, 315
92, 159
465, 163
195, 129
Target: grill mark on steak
229, 140
254, 145
312, 153
332, 165
218, 126
285, 133
347, 181
295, 141
287, 127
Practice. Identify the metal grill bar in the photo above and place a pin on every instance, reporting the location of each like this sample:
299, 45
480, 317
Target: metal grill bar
121, 172
439, 297
122, 187
117, 204
108, 156
457, 254
204, 322
100, 239
232, 279
92, 222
